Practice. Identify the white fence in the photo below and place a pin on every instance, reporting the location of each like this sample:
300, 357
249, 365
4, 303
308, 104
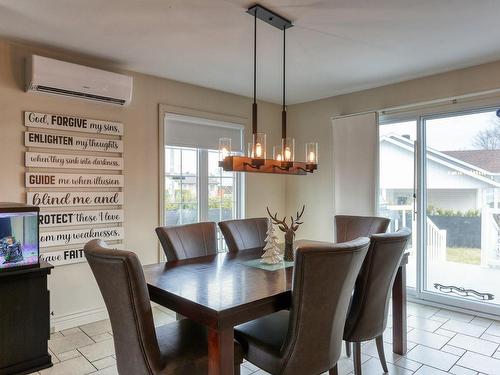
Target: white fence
490, 237
436, 238
436, 242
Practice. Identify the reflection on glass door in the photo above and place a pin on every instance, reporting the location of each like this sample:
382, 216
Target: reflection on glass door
397, 183
462, 199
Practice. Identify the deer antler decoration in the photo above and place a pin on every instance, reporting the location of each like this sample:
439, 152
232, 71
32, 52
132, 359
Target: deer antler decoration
289, 230
282, 225
295, 222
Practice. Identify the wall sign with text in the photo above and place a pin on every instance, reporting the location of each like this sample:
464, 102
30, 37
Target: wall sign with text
49, 160
70, 142
62, 257
69, 218
79, 124
41, 179
69, 237
64, 199
69, 256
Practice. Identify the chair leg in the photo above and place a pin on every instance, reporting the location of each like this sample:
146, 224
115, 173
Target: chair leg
334, 371
237, 368
357, 358
380, 349
348, 349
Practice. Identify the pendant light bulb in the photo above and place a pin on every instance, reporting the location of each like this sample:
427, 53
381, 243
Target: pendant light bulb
259, 146
258, 150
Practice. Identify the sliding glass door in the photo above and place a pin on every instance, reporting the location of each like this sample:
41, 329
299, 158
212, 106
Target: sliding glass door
397, 183
440, 176
461, 196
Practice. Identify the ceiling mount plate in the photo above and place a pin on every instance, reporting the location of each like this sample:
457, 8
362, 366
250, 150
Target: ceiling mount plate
268, 16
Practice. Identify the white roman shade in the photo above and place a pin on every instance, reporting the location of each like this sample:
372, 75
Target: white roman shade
355, 160
196, 132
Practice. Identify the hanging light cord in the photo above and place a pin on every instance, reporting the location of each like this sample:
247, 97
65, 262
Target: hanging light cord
254, 105
255, 57
283, 112
284, 59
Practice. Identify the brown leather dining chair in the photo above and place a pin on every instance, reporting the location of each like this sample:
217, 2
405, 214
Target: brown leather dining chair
177, 348
307, 339
244, 234
367, 317
188, 241
349, 227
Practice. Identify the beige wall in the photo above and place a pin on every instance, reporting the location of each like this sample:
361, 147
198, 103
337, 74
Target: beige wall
312, 122
73, 289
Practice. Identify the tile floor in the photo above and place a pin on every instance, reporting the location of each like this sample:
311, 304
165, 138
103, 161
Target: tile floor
439, 342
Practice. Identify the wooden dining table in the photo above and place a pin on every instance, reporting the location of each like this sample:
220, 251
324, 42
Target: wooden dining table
223, 290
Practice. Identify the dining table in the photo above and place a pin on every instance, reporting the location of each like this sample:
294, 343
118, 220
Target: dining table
224, 290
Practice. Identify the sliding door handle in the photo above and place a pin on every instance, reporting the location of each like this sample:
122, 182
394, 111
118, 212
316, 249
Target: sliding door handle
415, 145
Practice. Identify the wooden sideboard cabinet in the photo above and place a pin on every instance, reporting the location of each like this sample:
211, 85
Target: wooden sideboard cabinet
24, 320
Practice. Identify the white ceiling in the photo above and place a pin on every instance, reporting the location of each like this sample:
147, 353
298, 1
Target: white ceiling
337, 46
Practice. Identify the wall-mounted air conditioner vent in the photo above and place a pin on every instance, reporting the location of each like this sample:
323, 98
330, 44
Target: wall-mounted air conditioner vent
62, 78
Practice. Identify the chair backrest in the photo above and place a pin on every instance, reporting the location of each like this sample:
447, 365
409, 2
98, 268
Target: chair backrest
121, 280
188, 241
350, 227
367, 316
323, 281
244, 233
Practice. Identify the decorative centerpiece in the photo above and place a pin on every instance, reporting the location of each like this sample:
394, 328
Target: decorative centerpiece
288, 230
272, 253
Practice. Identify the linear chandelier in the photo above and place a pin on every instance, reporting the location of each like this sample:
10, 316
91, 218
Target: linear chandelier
283, 161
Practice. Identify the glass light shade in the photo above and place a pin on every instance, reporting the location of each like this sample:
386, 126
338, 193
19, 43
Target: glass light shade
312, 153
277, 153
259, 146
288, 147
250, 150
224, 148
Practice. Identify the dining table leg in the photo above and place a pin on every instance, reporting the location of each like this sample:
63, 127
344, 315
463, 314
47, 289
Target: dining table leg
399, 316
220, 351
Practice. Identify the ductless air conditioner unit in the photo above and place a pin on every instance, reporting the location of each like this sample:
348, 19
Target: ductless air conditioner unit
62, 78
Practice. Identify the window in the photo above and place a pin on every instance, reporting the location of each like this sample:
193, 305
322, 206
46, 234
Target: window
195, 187
439, 175
181, 185
461, 169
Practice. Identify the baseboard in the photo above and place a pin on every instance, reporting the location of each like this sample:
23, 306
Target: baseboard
88, 316
59, 323
452, 308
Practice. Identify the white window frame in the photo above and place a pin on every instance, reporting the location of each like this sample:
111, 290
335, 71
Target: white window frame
237, 122
420, 114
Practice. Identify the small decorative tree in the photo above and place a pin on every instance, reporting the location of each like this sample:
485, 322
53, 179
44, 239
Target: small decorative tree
272, 253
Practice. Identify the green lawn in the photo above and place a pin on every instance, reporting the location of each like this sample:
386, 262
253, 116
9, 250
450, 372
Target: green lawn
465, 255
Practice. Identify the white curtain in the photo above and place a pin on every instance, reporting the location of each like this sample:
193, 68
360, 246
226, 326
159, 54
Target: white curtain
355, 162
